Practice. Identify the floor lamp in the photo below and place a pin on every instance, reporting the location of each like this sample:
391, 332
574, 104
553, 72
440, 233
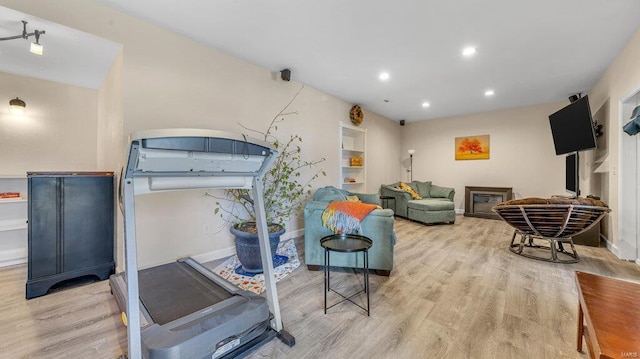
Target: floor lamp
411, 152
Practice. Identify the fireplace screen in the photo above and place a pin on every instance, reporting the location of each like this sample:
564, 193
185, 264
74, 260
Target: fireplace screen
480, 200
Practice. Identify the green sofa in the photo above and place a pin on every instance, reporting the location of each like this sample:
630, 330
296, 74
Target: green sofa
436, 205
377, 226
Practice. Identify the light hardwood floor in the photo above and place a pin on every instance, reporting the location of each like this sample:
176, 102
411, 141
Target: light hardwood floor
455, 292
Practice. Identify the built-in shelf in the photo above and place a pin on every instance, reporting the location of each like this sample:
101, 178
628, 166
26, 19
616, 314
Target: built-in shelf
353, 145
13, 220
11, 200
13, 224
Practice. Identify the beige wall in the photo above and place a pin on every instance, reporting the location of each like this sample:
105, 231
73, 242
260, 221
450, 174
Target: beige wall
522, 154
110, 149
170, 81
384, 152
57, 132
620, 80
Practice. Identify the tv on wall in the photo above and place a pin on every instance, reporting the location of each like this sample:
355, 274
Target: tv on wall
572, 127
571, 175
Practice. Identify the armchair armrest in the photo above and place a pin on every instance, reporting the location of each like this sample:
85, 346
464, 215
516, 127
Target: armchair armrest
370, 198
390, 191
401, 197
442, 192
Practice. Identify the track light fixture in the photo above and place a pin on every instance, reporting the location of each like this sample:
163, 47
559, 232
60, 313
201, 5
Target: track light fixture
36, 47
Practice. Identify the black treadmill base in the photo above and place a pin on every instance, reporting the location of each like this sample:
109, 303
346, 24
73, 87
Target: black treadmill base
246, 349
251, 345
286, 338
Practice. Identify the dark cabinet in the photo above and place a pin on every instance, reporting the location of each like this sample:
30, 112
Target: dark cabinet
71, 228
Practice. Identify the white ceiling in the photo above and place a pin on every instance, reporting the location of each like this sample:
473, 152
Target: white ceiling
531, 52
70, 56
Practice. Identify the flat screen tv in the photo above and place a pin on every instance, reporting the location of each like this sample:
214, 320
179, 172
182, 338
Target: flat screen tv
572, 179
572, 127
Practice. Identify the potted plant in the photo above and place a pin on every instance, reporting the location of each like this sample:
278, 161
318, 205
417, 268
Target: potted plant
285, 191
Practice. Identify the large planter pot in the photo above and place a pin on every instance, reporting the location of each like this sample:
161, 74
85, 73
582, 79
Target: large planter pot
248, 248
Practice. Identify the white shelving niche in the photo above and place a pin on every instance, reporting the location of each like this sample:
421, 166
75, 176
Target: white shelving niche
13, 221
353, 142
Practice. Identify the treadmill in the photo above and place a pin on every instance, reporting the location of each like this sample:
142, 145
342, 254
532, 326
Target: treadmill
182, 309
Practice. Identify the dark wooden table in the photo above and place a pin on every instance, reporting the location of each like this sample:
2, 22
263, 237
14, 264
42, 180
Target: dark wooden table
608, 316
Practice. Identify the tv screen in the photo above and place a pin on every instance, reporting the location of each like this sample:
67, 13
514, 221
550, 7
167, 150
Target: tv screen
571, 175
572, 127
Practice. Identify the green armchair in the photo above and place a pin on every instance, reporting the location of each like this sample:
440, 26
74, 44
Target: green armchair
377, 226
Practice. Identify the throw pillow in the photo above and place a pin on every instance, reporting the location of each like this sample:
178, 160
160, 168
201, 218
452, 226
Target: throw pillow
329, 194
423, 188
353, 199
439, 192
405, 187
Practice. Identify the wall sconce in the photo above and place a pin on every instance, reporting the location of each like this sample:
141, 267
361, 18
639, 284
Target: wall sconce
410, 170
17, 106
36, 47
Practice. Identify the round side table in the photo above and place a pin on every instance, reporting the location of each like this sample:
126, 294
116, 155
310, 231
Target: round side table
346, 243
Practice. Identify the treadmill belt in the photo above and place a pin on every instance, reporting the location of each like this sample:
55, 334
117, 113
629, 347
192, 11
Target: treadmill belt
174, 290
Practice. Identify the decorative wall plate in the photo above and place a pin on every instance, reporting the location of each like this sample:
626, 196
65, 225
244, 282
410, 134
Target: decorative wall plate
356, 115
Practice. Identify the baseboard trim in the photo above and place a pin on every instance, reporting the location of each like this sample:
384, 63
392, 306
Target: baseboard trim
12, 257
213, 255
459, 211
229, 251
610, 246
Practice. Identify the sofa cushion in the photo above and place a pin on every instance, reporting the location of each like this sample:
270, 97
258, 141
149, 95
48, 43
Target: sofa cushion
439, 192
423, 188
412, 191
329, 194
431, 204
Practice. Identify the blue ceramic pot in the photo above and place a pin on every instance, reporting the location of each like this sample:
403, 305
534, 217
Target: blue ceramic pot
248, 248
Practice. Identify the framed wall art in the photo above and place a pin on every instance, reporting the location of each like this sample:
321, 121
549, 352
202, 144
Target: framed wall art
472, 147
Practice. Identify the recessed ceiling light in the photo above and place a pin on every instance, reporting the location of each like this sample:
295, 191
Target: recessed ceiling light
425, 104
384, 76
469, 51
489, 93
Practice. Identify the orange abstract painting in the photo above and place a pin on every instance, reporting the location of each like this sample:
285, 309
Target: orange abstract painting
472, 148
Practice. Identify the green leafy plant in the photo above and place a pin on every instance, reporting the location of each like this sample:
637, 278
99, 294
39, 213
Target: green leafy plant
285, 186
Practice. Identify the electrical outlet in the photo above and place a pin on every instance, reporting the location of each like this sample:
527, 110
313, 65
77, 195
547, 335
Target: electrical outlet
205, 229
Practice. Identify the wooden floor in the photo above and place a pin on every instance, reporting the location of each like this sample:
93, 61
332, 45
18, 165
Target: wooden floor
455, 292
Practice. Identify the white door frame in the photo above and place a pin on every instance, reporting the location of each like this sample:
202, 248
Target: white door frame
628, 182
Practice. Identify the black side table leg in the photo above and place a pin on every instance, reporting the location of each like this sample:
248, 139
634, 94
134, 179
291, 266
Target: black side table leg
366, 277
326, 278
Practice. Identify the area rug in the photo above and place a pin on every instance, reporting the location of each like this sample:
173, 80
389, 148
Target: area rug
255, 283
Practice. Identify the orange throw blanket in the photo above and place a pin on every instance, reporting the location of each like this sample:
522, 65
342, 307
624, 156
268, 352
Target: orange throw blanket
346, 217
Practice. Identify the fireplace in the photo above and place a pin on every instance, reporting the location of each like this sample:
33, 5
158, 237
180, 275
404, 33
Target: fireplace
478, 201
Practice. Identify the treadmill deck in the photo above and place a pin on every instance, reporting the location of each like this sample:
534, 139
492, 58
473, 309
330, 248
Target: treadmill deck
175, 290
